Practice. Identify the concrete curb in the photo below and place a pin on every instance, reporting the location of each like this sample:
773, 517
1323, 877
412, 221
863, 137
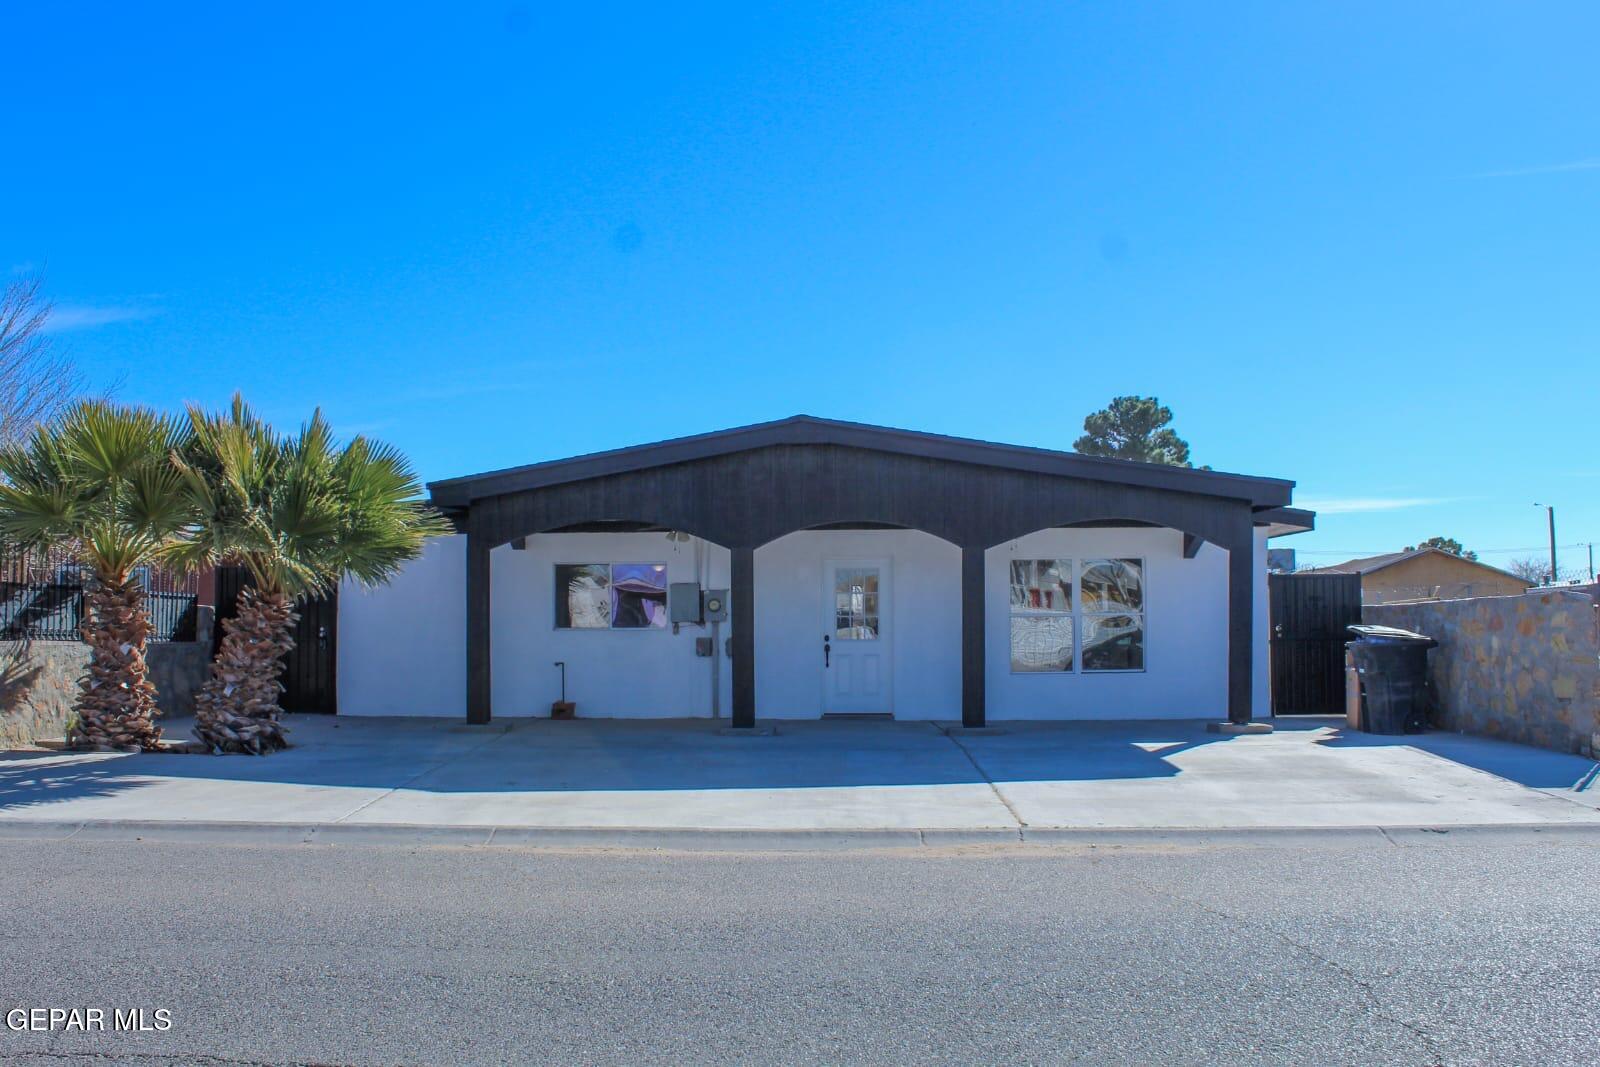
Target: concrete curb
800, 840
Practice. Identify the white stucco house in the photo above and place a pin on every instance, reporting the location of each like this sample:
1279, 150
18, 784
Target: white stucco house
806, 567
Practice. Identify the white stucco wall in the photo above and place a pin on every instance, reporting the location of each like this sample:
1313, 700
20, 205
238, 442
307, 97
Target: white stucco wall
402, 646
1186, 633
925, 625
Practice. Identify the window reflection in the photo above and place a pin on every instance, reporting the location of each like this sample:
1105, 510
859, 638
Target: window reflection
855, 604
618, 596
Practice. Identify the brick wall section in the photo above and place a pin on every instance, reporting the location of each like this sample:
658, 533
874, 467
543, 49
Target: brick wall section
39, 679
1524, 668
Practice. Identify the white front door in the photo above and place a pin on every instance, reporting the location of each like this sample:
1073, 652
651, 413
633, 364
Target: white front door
856, 662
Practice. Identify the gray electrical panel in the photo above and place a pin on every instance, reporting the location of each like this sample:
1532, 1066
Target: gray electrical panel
714, 605
683, 602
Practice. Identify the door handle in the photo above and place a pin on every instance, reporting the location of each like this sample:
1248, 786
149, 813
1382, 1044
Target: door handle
827, 651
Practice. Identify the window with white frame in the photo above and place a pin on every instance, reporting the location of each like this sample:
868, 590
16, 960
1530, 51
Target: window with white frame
611, 596
1085, 615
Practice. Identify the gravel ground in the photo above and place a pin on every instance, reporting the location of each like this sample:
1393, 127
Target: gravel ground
1349, 952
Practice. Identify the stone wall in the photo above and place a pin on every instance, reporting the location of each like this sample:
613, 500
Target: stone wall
39, 679
1524, 668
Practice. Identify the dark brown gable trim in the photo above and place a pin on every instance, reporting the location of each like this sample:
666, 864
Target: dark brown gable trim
806, 430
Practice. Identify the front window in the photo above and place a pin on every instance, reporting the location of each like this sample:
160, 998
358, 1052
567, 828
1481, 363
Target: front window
1101, 628
611, 596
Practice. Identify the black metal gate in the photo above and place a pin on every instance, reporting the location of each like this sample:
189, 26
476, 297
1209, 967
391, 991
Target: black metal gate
309, 669
1309, 613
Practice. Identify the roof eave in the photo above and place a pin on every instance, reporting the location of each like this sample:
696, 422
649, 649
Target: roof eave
1281, 522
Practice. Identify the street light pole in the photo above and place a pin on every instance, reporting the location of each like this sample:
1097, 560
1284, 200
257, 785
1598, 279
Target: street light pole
1550, 512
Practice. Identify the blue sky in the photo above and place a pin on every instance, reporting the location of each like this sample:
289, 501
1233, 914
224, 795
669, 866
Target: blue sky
1357, 245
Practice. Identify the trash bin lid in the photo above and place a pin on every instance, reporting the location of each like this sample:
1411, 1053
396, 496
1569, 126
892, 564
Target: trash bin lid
1390, 635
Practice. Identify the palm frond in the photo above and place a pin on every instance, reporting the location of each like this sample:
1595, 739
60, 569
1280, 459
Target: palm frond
300, 512
155, 501
100, 479
107, 442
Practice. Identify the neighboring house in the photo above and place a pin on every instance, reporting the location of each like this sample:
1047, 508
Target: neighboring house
1426, 574
841, 569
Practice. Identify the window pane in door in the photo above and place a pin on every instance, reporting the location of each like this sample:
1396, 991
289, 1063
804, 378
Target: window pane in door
855, 595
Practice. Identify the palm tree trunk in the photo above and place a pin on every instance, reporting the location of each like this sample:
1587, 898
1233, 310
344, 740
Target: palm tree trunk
237, 709
116, 704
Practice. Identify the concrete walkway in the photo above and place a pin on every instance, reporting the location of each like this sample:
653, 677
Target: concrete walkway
656, 776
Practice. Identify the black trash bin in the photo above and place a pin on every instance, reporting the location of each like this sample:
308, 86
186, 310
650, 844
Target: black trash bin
1393, 665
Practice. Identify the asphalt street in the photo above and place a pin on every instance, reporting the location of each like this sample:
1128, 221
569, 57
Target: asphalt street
1464, 951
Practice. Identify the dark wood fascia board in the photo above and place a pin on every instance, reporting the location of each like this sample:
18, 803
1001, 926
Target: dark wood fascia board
807, 430
752, 497
1300, 517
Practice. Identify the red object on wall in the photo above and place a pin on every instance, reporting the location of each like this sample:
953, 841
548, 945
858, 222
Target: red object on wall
205, 594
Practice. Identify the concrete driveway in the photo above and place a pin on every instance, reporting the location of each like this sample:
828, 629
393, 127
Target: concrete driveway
816, 776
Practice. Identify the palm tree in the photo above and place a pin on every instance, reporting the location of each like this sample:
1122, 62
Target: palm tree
299, 514
99, 479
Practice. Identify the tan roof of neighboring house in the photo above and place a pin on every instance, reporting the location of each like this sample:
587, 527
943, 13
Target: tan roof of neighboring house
1368, 564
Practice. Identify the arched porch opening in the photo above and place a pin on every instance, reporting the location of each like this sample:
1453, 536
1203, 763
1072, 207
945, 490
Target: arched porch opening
857, 617
1106, 617
595, 596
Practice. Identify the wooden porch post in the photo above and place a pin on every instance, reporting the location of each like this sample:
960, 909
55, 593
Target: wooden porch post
742, 593
478, 619
973, 713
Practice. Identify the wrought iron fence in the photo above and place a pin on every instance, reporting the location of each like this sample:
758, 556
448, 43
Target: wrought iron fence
41, 597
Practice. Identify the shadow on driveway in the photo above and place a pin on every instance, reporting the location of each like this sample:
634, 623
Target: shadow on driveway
685, 772
532, 755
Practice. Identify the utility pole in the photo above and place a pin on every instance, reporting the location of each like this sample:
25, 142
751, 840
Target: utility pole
1550, 512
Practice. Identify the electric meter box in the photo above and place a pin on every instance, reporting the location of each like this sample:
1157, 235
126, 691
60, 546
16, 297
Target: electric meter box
714, 605
683, 602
